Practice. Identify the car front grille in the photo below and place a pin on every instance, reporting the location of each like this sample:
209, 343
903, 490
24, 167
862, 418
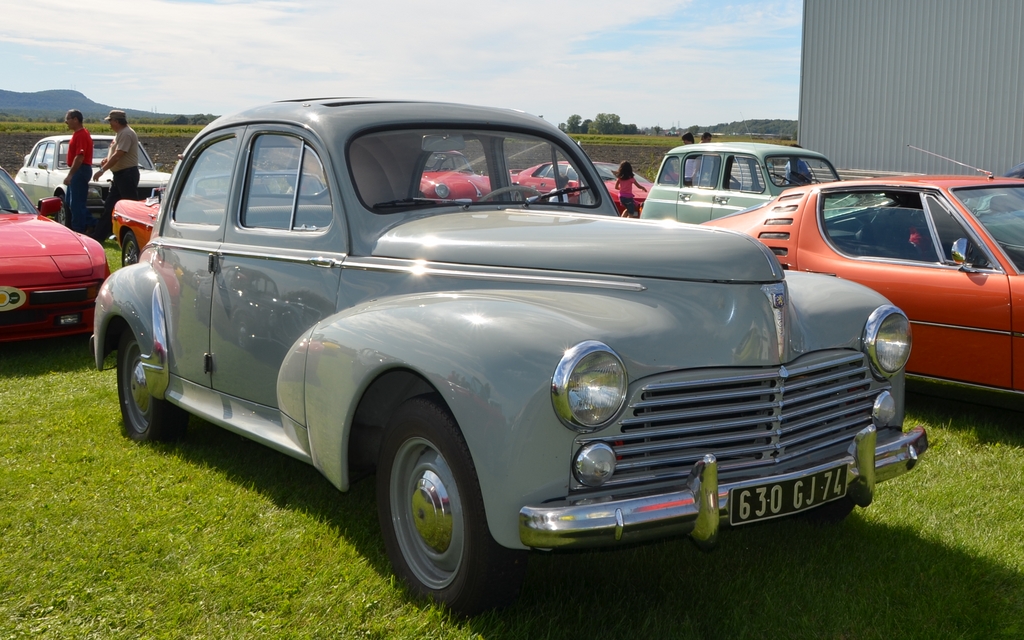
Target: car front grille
750, 419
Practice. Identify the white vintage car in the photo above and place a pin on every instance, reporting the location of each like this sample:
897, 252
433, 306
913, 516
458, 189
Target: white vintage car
46, 166
520, 370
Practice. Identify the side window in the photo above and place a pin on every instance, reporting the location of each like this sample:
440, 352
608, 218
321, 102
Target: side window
669, 175
204, 198
743, 174
37, 156
62, 155
691, 168
48, 156
287, 186
706, 174
949, 231
879, 225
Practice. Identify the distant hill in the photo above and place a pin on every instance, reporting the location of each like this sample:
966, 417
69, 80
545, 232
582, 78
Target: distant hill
51, 105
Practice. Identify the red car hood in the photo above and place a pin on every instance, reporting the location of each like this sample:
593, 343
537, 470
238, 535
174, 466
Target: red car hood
33, 247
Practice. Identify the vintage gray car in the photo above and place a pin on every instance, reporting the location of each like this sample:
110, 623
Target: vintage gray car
520, 370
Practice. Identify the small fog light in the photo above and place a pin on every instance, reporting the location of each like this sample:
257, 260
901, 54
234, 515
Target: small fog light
69, 319
594, 464
884, 410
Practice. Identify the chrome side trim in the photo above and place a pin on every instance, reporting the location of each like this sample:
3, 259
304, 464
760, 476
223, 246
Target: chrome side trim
691, 509
419, 267
963, 328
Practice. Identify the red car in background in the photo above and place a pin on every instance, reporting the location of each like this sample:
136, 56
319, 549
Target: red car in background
948, 250
542, 178
49, 275
448, 175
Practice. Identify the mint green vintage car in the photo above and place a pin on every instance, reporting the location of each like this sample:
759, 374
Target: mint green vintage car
519, 370
700, 182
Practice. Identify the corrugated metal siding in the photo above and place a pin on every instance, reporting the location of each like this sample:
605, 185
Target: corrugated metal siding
942, 75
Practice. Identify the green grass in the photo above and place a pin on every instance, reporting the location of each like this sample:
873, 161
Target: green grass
218, 537
51, 128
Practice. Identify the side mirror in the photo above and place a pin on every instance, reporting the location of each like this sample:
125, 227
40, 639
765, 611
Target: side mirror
49, 206
958, 252
43, 166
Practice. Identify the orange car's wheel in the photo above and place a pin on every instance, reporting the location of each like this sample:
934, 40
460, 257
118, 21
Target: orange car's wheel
129, 249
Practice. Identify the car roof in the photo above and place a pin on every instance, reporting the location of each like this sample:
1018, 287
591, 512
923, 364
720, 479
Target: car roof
916, 180
331, 116
67, 136
754, 148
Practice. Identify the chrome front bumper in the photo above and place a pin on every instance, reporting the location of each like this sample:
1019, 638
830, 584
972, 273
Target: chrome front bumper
701, 504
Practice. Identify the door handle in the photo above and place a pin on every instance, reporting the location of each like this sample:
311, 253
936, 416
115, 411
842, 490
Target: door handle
720, 200
327, 263
685, 197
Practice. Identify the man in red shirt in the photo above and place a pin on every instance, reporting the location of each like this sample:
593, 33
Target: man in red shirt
79, 172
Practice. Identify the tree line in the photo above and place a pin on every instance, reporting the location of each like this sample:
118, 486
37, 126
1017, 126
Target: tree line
611, 124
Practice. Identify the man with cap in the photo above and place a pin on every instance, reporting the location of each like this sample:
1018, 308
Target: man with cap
123, 162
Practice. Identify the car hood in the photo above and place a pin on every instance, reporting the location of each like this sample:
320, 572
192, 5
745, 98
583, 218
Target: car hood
146, 177
33, 244
583, 243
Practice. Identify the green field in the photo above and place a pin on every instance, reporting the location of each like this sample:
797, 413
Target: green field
52, 128
218, 537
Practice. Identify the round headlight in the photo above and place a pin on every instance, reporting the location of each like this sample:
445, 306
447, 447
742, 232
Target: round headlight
442, 190
887, 340
589, 386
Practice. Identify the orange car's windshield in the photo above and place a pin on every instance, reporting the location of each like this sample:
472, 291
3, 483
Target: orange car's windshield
1000, 209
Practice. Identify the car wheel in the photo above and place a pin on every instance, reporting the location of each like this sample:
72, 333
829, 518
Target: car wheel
831, 512
129, 249
431, 513
63, 216
145, 418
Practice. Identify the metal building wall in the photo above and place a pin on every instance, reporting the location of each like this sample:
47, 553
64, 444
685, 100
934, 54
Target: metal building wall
943, 75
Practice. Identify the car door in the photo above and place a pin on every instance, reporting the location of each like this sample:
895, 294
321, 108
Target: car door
279, 268
664, 193
743, 185
33, 176
702, 174
192, 229
897, 242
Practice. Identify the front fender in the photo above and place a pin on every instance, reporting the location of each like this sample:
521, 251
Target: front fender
132, 294
491, 356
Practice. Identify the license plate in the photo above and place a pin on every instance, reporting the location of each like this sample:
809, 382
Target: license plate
777, 499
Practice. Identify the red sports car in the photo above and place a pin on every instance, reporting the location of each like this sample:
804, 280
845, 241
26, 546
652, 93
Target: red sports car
542, 178
49, 275
448, 175
947, 250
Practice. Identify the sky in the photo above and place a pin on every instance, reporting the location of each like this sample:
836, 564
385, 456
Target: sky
653, 62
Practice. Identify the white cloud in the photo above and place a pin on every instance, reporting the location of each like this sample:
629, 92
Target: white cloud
650, 61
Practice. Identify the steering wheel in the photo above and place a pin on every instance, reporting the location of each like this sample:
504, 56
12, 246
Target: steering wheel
523, 192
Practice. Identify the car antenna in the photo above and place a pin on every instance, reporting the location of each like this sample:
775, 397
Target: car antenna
987, 173
746, 126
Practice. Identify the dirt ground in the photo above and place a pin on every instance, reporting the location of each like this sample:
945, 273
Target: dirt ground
164, 152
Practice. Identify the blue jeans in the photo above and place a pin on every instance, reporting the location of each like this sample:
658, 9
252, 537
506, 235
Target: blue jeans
78, 193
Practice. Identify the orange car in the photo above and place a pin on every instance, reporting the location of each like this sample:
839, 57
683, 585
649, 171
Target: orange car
948, 250
133, 224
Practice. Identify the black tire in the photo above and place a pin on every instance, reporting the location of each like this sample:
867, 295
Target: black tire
830, 513
63, 216
144, 417
129, 249
451, 558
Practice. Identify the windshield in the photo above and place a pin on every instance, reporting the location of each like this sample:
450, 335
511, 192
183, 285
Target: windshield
100, 149
794, 170
12, 200
422, 168
1001, 211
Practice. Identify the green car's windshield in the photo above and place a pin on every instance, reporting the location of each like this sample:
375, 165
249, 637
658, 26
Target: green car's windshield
1000, 210
465, 167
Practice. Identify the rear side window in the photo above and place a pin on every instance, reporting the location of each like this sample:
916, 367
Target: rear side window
743, 174
794, 170
669, 175
287, 186
706, 173
204, 198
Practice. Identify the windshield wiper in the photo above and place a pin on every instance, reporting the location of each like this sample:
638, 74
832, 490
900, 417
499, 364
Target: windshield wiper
554, 194
9, 210
405, 202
